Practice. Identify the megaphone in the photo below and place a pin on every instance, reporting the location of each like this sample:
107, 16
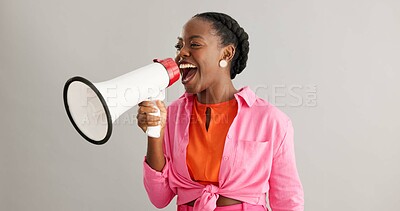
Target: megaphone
93, 107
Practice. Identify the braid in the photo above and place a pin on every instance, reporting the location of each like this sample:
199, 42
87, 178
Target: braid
231, 33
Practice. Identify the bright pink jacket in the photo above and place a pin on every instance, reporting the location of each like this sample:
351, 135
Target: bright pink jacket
258, 158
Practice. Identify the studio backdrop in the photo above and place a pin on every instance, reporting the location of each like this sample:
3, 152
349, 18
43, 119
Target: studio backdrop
331, 66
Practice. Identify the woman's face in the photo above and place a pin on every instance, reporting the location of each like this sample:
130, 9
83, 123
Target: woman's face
198, 56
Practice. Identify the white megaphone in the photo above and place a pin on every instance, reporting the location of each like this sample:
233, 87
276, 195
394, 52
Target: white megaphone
93, 107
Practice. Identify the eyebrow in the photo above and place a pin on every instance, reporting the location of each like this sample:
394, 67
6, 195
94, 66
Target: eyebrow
191, 37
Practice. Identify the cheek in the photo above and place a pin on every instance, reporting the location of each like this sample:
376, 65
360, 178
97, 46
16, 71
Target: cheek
177, 57
209, 62
213, 59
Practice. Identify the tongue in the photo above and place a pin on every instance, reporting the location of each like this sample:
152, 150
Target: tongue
189, 75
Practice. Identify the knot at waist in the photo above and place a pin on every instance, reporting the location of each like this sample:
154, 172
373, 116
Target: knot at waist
208, 199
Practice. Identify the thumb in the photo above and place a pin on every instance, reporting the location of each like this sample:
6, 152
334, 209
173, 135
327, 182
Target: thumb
160, 104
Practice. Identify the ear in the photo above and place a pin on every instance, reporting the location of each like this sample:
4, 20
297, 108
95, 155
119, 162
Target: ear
228, 52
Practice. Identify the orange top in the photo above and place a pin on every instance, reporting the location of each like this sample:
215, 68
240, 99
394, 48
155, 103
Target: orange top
205, 148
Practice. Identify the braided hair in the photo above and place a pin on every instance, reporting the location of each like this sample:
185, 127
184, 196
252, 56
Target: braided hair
231, 33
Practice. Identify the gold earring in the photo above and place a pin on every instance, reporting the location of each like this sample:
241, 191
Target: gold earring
223, 63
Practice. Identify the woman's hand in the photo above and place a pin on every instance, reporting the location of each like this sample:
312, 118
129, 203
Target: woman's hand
146, 119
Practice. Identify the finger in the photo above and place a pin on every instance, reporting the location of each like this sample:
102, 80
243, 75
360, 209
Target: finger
145, 110
141, 116
160, 104
146, 103
142, 119
153, 123
151, 118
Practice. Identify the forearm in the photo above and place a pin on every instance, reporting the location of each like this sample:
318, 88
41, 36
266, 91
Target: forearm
155, 153
155, 172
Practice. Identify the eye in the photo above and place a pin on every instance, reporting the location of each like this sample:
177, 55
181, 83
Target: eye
178, 46
194, 45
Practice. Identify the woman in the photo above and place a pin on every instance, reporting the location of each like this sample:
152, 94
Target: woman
220, 148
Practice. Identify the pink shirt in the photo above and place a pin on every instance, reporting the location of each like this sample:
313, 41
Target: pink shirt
258, 158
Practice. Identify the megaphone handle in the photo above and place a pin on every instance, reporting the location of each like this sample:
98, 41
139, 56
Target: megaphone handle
154, 131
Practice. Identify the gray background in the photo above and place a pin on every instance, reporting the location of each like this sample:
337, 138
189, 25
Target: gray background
347, 140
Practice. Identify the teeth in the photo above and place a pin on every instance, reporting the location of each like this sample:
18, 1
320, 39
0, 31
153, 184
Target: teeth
183, 66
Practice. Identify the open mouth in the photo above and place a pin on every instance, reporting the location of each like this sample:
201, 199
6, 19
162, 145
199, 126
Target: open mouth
188, 72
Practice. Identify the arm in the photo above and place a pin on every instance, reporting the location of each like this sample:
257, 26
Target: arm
155, 164
286, 191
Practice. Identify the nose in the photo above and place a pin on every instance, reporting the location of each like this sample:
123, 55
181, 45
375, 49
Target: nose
182, 53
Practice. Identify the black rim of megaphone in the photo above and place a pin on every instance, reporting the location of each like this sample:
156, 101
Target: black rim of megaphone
103, 102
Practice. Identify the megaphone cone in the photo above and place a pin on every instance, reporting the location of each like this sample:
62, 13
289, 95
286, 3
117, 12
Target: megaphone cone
93, 107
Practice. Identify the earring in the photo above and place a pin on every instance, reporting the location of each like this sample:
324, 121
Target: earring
223, 63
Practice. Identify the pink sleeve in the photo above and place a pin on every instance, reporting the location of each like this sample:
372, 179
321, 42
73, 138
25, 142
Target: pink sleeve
156, 185
286, 191
155, 182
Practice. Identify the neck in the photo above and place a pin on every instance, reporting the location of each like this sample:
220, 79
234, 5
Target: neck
217, 94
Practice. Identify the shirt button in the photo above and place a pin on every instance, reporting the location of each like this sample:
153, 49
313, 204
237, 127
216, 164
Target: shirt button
226, 157
229, 136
